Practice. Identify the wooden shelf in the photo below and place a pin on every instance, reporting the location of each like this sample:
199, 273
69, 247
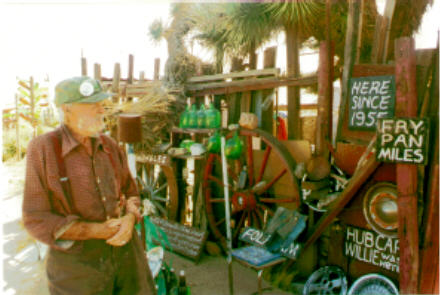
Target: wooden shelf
193, 130
187, 157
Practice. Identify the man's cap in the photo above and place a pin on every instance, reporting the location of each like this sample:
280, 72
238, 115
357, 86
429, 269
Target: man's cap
79, 90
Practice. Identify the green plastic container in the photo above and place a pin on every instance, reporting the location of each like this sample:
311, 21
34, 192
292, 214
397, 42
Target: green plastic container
213, 117
201, 117
192, 117
234, 147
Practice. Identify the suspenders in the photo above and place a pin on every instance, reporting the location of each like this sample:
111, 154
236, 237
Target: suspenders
64, 180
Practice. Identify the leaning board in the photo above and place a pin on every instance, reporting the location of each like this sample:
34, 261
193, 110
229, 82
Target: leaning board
185, 240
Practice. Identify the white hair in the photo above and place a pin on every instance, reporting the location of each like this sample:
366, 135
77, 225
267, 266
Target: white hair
60, 114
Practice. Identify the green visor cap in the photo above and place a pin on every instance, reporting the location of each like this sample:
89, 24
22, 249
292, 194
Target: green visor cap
79, 90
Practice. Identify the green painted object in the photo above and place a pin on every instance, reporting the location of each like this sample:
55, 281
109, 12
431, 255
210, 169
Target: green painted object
184, 117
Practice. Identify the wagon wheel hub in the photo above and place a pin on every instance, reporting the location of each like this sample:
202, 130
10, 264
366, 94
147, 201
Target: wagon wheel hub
243, 201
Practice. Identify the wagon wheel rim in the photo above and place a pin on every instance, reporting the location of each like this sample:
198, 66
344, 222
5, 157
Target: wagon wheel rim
158, 184
253, 204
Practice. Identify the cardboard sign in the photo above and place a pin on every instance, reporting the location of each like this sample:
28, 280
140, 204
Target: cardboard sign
370, 98
185, 240
372, 248
255, 237
402, 140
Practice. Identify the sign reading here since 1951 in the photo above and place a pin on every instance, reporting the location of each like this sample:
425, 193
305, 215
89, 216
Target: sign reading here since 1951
402, 140
370, 98
372, 248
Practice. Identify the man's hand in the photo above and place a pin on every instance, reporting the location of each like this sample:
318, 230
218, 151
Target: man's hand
92, 230
125, 231
133, 205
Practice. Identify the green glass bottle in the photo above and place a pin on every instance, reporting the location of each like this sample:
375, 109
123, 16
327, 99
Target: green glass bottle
214, 143
213, 117
192, 117
184, 118
233, 147
201, 117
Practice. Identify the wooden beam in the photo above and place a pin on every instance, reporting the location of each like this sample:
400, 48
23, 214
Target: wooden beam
32, 96
142, 76
388, 15
269, 61
243, 74
360, 27
408, 232
130, 72
293, 93
349, 56
248, 85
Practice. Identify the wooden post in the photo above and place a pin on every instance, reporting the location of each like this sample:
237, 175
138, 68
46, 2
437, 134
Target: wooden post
83, 66
97, 71
349, 56
156, 68
429, 258
234, 99
388, 15
17, 128
406, 106
270, 56
142, 76
115, 82
360, 26
130, 72
32, 96
293, 92
323, 130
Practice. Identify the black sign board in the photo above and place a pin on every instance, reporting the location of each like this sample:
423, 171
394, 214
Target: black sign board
370, 98
255, 237
372, 248
185, 240
402, 140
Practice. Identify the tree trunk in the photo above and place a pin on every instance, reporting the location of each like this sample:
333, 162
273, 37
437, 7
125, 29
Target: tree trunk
293, 70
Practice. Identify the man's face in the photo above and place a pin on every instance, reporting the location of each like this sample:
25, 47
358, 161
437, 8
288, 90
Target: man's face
86, 119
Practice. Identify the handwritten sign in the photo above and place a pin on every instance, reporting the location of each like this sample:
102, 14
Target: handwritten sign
370, 98
372, 248
185, 240
402, 140
291, 250
255, 237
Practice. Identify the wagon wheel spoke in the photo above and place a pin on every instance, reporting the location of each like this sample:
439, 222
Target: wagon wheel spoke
264, 163
272, 182
163, 186
240, 224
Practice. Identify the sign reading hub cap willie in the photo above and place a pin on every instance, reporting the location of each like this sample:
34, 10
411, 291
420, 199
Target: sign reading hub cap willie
402, 140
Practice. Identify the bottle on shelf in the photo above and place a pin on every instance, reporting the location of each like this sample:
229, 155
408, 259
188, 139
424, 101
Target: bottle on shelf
213, 117
201, 117
192, 117
184, 118
183, 288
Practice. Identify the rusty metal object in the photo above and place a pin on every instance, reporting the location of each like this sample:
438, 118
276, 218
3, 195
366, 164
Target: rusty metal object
380, 208
270, 182
318, 168
130, 128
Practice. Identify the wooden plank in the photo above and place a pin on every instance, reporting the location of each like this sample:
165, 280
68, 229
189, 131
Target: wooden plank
130, 73
293, 93
349, 57
365, 70
244, 74
390, 5
32, 97
406, 106
156, 68
141, 76
248, 85
360, 27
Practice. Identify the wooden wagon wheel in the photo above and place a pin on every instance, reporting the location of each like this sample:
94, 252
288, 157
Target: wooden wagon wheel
157, 182
259, 181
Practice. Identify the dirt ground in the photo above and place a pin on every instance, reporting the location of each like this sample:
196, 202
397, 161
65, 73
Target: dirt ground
23, 266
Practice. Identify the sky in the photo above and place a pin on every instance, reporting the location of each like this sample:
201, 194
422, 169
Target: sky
46, 39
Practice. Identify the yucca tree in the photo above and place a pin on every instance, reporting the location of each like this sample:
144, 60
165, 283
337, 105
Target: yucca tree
296, 17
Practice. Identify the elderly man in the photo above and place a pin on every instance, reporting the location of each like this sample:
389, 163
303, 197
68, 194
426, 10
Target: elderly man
77, 181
